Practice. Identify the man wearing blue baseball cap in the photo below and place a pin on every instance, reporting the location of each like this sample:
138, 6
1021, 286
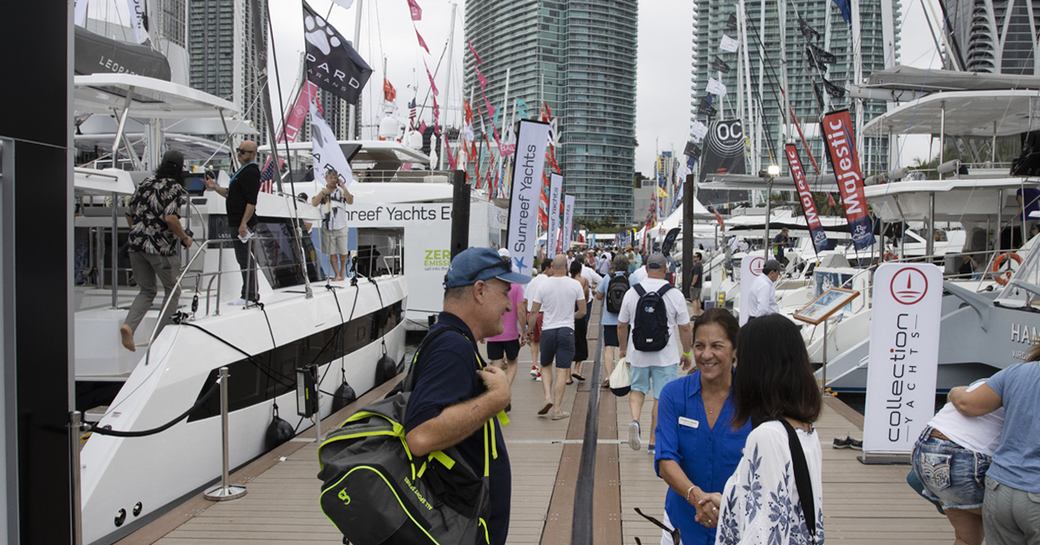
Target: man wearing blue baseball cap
456, 392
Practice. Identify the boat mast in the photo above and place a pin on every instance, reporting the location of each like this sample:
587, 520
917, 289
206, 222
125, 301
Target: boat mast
746, 74
857, 68
351, 134
445, 147
786, 118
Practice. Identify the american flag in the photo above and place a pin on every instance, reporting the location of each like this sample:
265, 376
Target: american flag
267, 176
412, 112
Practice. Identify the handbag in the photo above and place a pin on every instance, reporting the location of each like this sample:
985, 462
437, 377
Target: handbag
621, 378
801, 478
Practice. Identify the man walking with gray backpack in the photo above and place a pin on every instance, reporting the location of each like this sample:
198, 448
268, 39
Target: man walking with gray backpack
652, 313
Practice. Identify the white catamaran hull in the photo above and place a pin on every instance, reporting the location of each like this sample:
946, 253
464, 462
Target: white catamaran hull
126, 479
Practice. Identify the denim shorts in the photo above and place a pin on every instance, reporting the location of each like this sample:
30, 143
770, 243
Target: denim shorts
559, 344
952, 475
645, 378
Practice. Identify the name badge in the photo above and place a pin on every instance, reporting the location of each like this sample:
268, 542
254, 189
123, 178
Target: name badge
689, 422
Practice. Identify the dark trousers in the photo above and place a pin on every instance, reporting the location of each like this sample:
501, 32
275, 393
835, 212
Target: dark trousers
248, 266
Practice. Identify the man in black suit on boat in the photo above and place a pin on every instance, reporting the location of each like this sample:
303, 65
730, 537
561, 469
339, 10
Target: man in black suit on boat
240, 197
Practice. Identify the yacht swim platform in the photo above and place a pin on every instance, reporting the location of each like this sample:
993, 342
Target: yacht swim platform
863, 504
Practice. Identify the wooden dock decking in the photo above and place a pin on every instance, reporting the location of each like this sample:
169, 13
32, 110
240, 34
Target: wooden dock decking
862, 504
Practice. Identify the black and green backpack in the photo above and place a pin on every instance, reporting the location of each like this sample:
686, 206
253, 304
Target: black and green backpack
377, 493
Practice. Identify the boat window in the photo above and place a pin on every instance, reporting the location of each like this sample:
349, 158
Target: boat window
380, 251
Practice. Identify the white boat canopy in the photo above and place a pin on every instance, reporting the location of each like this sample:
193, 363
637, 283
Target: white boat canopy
751, 182
963, 113
373, 155
103, 182
150, 98
955, 200
909, 78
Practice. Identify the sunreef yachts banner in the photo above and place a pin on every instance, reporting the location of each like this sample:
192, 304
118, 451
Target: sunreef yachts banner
552, 232
840, 137
528, 165
812, 216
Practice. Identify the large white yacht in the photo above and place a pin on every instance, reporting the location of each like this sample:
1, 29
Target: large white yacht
352, 332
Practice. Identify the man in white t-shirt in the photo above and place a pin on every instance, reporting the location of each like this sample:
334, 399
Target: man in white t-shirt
651, 370
533, 334
330, 199
557, 297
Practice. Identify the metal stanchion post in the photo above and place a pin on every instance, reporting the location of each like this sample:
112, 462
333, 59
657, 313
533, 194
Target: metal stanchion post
225, 491
75, 421
823, 387
317, 414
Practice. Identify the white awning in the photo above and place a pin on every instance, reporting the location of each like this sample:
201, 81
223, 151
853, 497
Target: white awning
151, 98
968, 113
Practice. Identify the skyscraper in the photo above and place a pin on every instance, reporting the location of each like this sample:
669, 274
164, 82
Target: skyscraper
994, 36
579, 57
223, 54
710, 22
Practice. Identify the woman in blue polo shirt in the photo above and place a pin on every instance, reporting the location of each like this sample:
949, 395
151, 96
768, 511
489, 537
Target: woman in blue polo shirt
697, 446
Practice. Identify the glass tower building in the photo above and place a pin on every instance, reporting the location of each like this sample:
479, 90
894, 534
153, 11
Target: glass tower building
579, 57
223, 54
710, 21
995, 36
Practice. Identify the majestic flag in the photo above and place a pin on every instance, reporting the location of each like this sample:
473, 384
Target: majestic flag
81, 13
528, 166
715, 87
330, 61
326, 151
568, 220
845, 9
553, 227
841, 147
422, 42
433, 84
136, 10
413, 6
474, 52
729, 45
389, 93
724, 149
291, 130
719, 65
812, 217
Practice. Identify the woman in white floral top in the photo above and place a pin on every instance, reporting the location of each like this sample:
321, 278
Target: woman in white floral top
760, 503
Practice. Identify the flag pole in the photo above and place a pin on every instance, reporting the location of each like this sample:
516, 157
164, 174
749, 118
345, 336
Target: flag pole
351, 134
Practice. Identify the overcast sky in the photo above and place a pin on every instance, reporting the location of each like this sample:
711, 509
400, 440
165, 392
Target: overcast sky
663, 81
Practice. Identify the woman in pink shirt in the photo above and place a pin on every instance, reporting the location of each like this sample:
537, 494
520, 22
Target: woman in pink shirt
503, 349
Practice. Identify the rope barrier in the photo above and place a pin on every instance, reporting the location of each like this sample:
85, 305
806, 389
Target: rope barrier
93, 426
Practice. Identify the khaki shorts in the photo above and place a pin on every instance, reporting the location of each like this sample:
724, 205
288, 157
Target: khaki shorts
334, 242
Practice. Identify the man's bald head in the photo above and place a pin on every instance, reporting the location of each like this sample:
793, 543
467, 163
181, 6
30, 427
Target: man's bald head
559, 265
247, 145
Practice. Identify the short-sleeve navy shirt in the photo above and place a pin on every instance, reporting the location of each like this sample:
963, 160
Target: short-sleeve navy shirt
447, 375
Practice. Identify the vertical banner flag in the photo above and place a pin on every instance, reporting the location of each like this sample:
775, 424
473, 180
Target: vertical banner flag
330, 61
307, 96
568, 221
846, 10
415, 9
81, 13
555, 198
904, 356
841, 149
136, 10
724, 149
528, 164
812, 217
326, 151
750, 269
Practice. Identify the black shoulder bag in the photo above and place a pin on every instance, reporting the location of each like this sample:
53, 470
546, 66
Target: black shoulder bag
801, 478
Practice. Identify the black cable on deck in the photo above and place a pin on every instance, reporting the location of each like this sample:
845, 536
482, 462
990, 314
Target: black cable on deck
581, 531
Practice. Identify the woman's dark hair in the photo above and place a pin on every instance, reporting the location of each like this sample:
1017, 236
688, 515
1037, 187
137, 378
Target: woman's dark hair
171, 167
773, 377
721, 317
575, 268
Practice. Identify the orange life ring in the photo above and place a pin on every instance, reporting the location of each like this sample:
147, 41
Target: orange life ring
1002, 278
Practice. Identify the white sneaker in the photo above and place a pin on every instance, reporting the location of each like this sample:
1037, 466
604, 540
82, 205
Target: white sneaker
534, 371
633, 434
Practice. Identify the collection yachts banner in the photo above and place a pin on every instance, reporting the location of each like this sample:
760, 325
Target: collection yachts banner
552, 231
904, 355
528, 165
